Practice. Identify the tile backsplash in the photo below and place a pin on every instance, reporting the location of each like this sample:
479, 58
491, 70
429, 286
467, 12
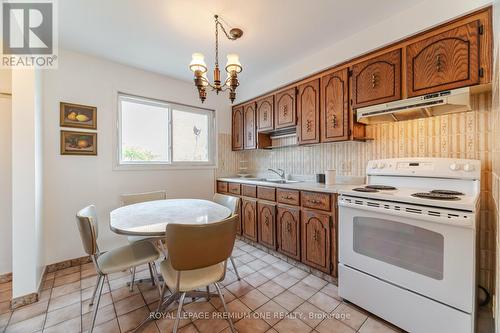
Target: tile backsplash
461, 135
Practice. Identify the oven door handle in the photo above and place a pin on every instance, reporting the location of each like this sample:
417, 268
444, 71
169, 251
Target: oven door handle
460, 221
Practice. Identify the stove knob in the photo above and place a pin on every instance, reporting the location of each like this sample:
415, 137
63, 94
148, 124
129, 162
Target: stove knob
454, 166
381, 165
373, 166
468, 167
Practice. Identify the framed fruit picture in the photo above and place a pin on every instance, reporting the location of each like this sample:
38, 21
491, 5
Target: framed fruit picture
78, 143
79, 116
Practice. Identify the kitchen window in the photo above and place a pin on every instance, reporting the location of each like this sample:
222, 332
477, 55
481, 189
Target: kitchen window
159, 133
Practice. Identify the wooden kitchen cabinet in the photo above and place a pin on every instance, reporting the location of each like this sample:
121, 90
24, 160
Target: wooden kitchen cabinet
316, 243
249, 219
265, 114
288, 231
266, 221
249, 140
237, 128
285, 114
222, 187
447, 60
377, 80
308, 106
334, 116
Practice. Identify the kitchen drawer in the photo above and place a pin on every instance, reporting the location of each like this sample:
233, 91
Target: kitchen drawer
289, 197
249, 190
221, 187
266, 193
234, 188
316, 200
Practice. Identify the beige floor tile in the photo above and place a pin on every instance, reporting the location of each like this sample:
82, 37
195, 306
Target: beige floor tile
310, 314
297, 273
228, 297
128, 304
252, 325
88, 282
166, 323
303, 290
104, 315
119, 283
67, 271
151, 295
254, 299
246, 258
285, 280
350, 316
4, 319
123, 292
105, 301
66, 289
30, 325
330, 325
229, 278
87, 293
65, 300
65, 279
29, 311
210, 325
270, 271
271, 312
239, 288
289, 325
272, 330
271, 289
244, 270
331, 290
324, 302
132, 319
257, 264
255, 279
371, 325
288, 300
314, 281
73, 325
188, 329
63, 314
198, 308
282, 265
238, 310
270, 259
108, 327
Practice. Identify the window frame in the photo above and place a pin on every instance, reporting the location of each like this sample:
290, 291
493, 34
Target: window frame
170, 163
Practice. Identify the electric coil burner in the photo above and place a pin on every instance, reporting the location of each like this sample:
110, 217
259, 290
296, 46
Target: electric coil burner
435, 196
380, 187
365, 189
448, 192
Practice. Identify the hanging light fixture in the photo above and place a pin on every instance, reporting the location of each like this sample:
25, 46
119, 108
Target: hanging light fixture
233, 67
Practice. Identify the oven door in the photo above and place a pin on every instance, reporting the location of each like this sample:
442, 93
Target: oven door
431, 257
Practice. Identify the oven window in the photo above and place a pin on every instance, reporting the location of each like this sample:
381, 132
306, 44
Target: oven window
412, 248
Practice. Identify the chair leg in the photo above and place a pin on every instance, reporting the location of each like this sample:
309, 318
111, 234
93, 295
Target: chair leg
94, 312
235, 269
208, 293
153, 280
132, 280
163, 289
179, 311
225, 307
95, 289
155, 277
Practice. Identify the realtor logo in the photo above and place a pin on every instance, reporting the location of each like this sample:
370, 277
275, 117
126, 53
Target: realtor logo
28, 33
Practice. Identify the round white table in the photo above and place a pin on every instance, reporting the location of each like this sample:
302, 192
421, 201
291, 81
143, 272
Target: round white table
151, 218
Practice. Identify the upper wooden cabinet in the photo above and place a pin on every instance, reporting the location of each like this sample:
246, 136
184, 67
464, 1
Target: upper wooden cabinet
334, 106
237, 128
249, 140
265, 114
308, 112
377, 80
447, 60
284, 113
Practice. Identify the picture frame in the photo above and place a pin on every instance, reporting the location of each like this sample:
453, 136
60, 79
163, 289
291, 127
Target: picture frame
77, 116
78, 143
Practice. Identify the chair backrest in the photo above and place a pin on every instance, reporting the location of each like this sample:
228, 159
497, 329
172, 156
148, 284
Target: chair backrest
227, 201
86, 219
193, 246
130, 199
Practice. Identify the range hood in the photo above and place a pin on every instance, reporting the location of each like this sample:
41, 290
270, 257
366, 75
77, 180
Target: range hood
435, 104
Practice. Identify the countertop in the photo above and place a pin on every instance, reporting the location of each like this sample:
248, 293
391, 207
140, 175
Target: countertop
345, 183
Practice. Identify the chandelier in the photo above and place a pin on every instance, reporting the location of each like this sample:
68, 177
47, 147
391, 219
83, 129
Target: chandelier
233, 67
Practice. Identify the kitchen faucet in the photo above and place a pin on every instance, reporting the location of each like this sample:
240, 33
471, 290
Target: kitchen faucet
280, 173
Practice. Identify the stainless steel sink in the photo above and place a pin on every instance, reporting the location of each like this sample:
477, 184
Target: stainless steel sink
282, 181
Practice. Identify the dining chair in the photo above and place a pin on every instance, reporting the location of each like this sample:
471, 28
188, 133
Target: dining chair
233, 203
133, 198
115, 260
198, 255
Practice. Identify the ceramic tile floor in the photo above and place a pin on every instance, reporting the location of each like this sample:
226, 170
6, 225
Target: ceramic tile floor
272, 296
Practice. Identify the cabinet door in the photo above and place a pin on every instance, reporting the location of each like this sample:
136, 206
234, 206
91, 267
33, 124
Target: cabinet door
285, 115
249, 219
334, 107
316, 240
249, 140
445, 61
288, 229
308, 112
267, 224
237, 128
265, 114
377, 80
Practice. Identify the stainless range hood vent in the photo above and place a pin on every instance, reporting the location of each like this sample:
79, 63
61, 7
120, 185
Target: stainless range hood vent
436, 104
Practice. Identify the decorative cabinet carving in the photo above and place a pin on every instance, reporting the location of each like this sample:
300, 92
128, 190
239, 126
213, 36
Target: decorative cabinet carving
377, 80
334, 106
237, 128
316, 240
265, 114
249, 218
267, 224
285, 114
250, 140
308, 112
288, 229
447, 60
289, 197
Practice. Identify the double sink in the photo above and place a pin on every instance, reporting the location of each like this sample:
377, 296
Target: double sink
274, 180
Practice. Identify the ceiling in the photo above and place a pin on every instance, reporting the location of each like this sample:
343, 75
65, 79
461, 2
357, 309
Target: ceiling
161, 35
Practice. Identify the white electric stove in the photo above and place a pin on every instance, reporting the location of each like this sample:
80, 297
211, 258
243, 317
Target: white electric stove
407, 243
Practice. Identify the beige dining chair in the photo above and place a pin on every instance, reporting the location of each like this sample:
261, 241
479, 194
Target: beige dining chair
115, 260
198, 255
133, 198
233, 204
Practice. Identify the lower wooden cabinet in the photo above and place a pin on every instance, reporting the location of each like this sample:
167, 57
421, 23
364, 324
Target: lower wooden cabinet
238, 224
249, 218
266, 224
288, 230
316, 243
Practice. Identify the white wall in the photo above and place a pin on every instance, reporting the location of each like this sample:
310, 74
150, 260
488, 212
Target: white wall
72, 182
5, 175
419, 17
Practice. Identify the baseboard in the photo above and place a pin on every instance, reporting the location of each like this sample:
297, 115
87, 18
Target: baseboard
4, 278
68, 263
